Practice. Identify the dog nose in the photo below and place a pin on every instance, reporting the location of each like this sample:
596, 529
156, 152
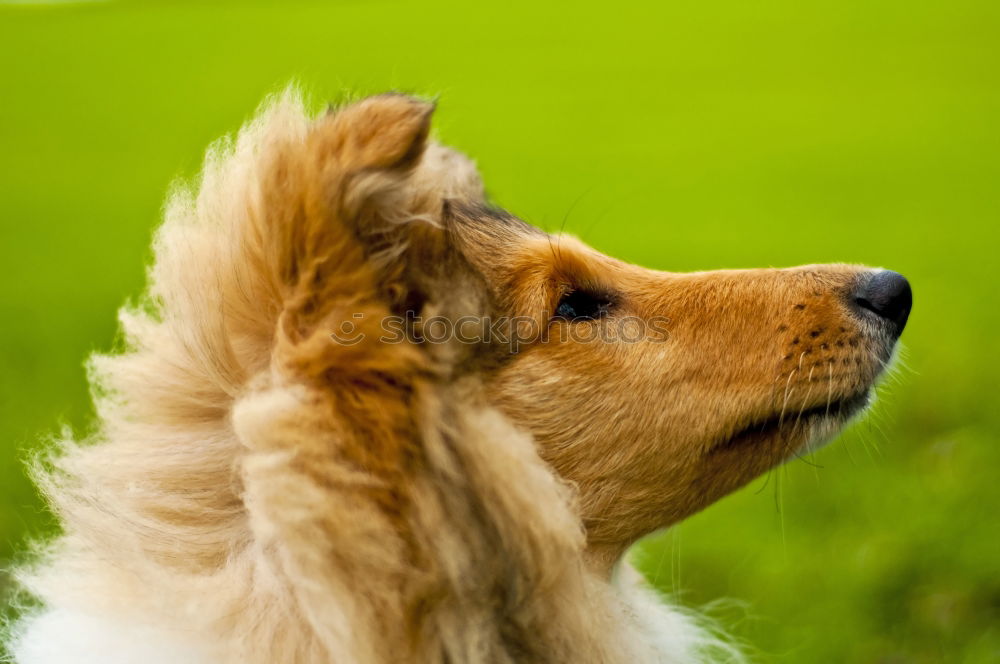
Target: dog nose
886, 294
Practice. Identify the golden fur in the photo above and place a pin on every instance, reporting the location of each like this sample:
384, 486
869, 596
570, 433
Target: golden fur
268, 495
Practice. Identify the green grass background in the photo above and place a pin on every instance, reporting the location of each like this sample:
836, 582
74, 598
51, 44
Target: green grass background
680, 135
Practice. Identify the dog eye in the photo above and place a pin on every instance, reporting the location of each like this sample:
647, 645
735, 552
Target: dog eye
581, 305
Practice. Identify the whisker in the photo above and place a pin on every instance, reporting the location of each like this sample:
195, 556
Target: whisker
847, 448
829, 389
675, 562
804, 405
767, 480
659, 564
573, 205
864, 445
781, 513
874, 424
771, 401
806, 461
788, 393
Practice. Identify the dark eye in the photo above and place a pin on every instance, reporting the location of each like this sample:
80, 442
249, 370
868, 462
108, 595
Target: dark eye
581, 305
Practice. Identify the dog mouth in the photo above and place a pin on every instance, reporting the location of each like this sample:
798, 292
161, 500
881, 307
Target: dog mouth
823, 421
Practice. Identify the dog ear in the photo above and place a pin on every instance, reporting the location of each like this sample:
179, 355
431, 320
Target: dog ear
386, 131
358, 161
377, 155
351, 220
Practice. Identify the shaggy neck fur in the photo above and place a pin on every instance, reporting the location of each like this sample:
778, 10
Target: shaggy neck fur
256, 493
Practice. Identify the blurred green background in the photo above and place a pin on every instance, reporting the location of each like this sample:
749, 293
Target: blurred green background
679, 135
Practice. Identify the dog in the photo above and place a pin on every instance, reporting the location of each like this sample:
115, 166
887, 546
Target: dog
364, 416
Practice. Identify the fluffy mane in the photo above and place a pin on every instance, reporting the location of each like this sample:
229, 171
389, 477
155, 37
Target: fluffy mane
257, 493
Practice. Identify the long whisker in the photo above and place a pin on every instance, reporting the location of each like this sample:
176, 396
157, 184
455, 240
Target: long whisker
806, 461
788, 393
829, 388
805, 402
572, 207
659, 564
767, 480
772, 402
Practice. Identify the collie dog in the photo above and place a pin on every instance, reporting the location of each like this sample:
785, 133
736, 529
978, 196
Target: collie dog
363, 416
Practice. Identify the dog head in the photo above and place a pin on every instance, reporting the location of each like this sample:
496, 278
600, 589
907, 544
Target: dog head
653, 393
657, 393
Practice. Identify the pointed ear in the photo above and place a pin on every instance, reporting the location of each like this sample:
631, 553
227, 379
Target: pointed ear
352, 213
380, 146
360, 157
388, 131
388, 182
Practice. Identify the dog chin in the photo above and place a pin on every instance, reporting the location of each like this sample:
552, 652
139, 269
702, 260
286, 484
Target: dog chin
814, 426
824, 428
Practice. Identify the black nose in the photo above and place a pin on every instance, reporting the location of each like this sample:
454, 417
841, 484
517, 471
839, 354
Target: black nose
886, 294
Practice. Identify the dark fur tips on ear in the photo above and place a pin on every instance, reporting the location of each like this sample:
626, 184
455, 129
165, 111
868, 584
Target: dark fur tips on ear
386, 131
